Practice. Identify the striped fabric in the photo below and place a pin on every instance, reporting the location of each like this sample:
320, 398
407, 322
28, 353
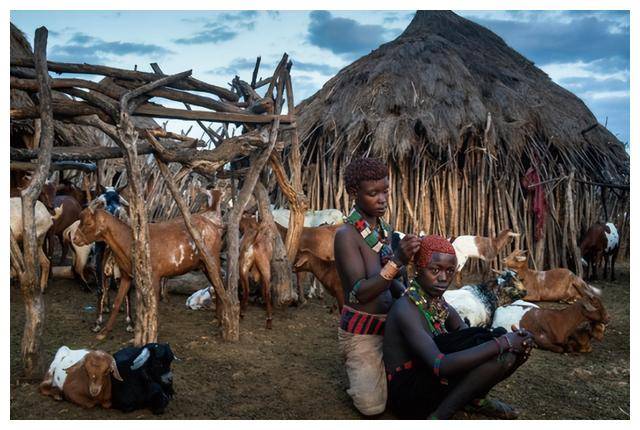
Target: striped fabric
356, 322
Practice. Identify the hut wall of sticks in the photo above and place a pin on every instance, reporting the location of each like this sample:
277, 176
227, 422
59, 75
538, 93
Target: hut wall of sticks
65, 123
477, 139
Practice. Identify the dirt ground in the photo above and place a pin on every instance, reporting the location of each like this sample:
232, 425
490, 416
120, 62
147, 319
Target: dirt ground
294, 370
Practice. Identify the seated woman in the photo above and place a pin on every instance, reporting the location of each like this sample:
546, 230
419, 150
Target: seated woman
435, 364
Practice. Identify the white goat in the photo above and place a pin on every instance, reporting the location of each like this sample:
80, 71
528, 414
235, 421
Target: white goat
477, 303
311, 218
43, 221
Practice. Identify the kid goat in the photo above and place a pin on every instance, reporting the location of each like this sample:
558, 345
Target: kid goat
484, 248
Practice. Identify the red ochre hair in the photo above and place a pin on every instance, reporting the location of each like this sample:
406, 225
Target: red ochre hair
430, 245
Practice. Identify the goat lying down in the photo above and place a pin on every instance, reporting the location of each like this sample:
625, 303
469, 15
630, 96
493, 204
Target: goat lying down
558, 330
81, 376
476, 304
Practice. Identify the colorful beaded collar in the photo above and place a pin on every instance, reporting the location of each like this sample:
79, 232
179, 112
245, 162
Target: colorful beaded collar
434, 310
370, 235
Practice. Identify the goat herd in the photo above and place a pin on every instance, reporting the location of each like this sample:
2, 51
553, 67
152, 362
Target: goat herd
134, 378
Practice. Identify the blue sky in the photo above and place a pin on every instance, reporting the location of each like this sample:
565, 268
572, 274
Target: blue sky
586, 52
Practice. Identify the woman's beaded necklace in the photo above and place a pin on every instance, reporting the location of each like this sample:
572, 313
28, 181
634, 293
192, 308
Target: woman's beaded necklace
434, 309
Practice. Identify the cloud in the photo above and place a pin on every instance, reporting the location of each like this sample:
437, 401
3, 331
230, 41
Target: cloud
323, 69
88, 49
240, 64
393, 17
343, 36
213, 34
598, 70
560, 36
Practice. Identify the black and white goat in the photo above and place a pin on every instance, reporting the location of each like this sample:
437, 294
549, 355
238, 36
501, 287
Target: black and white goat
476, 303
147, 380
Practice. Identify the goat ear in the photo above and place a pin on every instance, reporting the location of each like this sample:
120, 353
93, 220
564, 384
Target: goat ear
141, 359
588, 306
114, 369
74, 366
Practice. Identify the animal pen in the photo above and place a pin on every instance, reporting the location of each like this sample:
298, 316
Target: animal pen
46, 109
477, 139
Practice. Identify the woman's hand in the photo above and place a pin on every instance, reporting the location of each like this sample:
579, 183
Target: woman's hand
408, 246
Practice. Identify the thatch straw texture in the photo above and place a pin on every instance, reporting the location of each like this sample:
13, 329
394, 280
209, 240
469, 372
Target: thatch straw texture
460, 117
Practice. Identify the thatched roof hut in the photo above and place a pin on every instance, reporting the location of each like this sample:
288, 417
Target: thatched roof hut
461, 118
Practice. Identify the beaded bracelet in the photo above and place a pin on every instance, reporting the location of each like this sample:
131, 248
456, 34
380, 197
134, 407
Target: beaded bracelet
508, 342
436, 365
390, 270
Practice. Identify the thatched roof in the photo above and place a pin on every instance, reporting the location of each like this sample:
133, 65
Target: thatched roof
65, 134
431, 90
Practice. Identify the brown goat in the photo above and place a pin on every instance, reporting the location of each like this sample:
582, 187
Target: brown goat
70, 213
580, 340
81, 376
552, 329
256, 250
551, 285
316, 240
172, 249
324, 270
600, 242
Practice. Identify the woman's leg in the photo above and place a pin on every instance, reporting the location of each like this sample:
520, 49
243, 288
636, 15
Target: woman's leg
476, 384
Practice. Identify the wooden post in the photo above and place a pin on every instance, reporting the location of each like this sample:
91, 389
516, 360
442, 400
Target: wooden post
212, 262
233, 235
146, 327
573, 234
30, 278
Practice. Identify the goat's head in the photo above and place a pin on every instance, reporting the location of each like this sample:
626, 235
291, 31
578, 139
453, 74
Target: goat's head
592, 307
90, 228
509, 287
248, 222
516, 260
48, 193
156, 359
99, 366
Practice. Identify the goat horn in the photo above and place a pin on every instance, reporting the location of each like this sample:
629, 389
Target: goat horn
123, 201
141, 359
514, 234
57, 212
497, 272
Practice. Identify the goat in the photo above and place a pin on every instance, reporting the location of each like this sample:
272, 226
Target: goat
201, 299
600, 241
81, 376
256, 250
318, 241
553, 329
80, 254
70, 212
484, 248
580, 340
324, 270
172, 249
551, 285
477, 303
43, 221
147, 380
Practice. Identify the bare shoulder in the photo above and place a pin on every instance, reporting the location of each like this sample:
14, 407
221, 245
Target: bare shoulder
345, 234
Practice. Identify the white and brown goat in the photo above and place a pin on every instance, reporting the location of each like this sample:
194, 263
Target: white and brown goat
484, 248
